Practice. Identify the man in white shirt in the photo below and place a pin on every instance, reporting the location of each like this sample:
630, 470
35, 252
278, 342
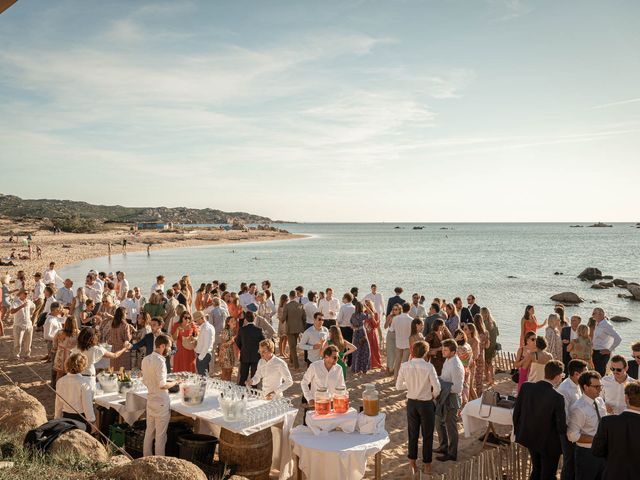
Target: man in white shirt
50, 275
378, 301
65, 294
311, 307
93, 291
300, 298
344, 320
159, 285
22, 308
74, 391
154, 376
605, 341
613, 386
248, 297
123, 286
571, 392
582, 426
130, 307
329, 306
420, 379
322, 373
313, 338
204, 346
52, 325
401, 325
417, 310
140, 300
446, 422
272, 371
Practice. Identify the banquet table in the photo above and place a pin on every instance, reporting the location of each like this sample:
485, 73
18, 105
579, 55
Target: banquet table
337, 454
209, 420
477, 417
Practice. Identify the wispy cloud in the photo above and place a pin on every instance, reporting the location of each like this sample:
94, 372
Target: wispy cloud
615, 104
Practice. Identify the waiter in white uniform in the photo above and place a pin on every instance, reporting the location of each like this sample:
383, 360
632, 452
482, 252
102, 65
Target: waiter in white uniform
154, 376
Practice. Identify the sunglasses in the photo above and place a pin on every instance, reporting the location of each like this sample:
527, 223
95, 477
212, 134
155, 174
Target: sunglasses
617, 370
636, 357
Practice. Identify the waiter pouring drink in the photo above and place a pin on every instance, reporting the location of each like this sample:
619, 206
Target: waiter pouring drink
272, 371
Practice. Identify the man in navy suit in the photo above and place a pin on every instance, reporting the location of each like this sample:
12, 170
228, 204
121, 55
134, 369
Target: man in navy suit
617, 439
632, 365
248, 341
539, 420
395, 299
148, 341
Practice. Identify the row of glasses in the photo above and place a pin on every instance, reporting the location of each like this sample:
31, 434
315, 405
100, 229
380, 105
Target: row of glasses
267, 411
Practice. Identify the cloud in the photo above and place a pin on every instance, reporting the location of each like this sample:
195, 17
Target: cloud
615, 104
510, 9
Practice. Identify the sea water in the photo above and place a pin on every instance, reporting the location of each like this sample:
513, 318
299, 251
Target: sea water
439, 260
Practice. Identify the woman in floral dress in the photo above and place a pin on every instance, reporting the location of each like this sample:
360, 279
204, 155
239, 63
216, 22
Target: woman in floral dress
119, 335
371, 325
227, 355
465, 354
361, 360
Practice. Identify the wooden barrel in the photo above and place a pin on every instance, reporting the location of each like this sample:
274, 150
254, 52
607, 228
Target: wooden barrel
251, 454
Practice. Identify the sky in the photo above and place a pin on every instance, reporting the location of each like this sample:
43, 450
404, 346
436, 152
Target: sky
333, 111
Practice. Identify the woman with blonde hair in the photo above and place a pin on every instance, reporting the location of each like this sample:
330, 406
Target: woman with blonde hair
474, 341
490, 352
552, 336
185, 358
371, 325
154, 307
63, 342
234, 307
77, 306
282, 332
74, 397
581, 348
453, 318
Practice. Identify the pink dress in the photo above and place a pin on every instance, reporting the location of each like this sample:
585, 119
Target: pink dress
371, 326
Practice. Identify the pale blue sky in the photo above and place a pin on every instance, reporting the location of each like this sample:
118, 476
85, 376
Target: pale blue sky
477, 110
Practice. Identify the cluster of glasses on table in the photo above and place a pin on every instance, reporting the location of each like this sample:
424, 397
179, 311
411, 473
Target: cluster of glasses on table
266, 412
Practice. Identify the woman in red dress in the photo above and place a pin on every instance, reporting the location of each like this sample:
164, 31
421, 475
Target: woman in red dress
185, 359
371, 325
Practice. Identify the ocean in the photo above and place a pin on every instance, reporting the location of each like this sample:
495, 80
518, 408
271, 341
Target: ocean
439, 260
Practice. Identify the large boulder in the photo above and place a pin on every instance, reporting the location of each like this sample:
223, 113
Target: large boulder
619, 319
618, 282
634, 290
19, 411
590, 273
154, 468
81, 444
567, 297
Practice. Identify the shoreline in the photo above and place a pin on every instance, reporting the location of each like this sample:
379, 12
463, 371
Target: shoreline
66, 249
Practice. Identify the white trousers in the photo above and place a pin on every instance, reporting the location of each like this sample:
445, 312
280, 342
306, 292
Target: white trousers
158, 416
22, 340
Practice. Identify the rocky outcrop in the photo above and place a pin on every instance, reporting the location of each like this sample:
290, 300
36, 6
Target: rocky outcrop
19, 411
154, 468
619, 319
590, 273
80, 443
598, 286
567, 297
634, 290
618, 282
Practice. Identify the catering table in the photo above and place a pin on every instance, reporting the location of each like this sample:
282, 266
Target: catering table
477, 417
209, 420
336, 455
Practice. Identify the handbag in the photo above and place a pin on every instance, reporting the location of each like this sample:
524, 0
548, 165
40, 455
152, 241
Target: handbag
515, 375
490, 398
189, 342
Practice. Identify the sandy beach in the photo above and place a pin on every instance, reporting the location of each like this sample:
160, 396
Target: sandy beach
68, 248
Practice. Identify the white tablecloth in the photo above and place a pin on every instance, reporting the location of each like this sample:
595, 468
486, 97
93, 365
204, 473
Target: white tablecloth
475, 418
323, 424
370, 425
337, 455
117, 402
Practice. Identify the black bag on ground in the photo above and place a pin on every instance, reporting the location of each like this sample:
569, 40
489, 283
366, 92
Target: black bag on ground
42, 437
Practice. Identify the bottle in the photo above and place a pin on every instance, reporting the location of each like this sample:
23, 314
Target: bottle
341, 400
322, 401
370, 400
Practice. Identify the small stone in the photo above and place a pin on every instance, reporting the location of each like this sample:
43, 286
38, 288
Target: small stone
619, 319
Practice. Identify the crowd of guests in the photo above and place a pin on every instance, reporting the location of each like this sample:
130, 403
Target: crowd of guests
440, 352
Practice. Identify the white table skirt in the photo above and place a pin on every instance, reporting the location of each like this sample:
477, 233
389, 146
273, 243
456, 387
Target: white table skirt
323, 424
116, 401
336, 455
475, 418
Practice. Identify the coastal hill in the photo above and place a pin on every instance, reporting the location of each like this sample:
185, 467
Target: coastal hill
18, 208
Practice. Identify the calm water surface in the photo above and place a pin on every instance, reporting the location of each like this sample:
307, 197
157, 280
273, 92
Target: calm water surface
464, 258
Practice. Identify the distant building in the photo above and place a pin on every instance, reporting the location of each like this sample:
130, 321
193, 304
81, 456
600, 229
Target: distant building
153, 226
